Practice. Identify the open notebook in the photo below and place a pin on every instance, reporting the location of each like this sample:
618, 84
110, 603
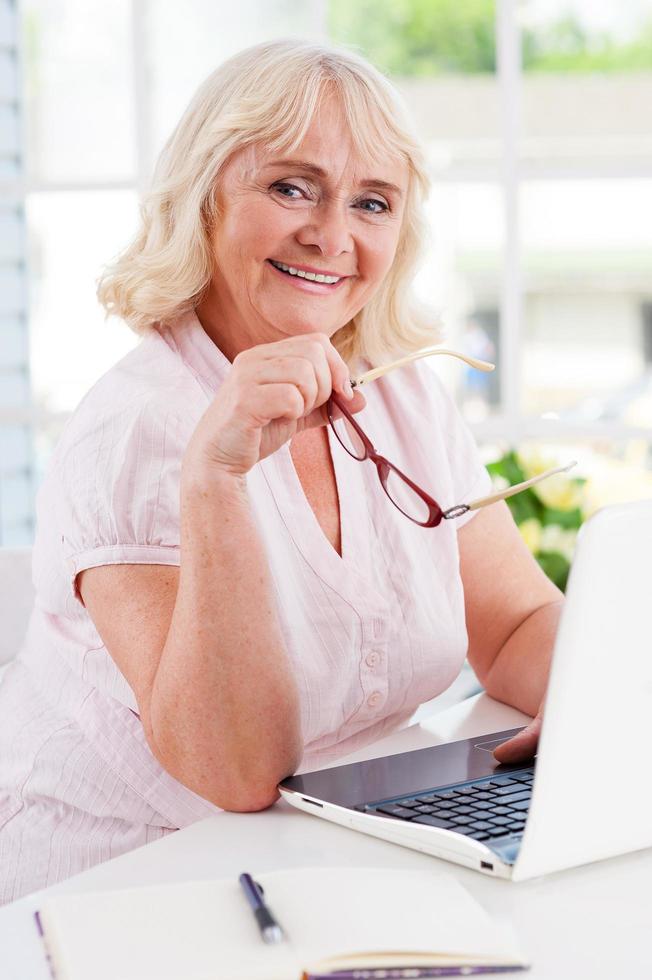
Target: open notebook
334, 918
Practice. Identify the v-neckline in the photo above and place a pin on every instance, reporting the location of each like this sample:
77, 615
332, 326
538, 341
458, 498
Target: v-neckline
354, 566
313, 463
352, 572
317, 531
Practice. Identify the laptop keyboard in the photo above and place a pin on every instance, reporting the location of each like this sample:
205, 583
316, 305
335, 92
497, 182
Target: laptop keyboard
485, 810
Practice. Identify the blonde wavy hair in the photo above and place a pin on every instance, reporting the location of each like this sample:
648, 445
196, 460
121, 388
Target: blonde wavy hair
268, 95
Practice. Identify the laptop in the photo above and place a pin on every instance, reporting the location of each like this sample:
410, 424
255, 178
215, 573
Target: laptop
588, 795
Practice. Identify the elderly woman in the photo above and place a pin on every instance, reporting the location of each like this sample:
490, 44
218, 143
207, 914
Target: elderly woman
224, 594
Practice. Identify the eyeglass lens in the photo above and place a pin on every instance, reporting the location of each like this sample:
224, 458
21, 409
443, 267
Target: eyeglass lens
346, 433
404, 497
399, 492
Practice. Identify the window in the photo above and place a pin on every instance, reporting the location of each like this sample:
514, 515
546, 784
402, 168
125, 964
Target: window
540, 149
16, 473
104, 85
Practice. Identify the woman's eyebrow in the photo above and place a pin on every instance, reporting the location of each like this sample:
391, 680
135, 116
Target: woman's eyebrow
318, 171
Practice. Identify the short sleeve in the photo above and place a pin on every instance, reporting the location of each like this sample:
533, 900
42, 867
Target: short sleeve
119, 476
469, 476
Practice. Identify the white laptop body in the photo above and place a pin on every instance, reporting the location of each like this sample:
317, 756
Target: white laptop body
596, 734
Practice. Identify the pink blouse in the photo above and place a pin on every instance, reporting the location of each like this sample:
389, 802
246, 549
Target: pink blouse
372, 634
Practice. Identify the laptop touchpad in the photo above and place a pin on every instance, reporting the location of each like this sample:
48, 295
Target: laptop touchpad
490, 745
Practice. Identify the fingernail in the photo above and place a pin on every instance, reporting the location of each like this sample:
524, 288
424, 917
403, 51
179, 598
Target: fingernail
347, 389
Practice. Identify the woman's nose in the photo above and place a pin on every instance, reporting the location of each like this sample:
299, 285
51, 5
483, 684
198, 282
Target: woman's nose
328, 229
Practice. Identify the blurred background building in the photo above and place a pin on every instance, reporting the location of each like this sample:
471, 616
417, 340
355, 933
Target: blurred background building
536, 117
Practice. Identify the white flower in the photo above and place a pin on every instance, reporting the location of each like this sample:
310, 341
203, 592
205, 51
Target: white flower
531, 534
498, 483
560, 492
559, 539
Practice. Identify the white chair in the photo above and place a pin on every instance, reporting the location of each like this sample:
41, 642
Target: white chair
16, 600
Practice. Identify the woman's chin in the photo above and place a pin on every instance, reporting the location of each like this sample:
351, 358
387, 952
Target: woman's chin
299, 328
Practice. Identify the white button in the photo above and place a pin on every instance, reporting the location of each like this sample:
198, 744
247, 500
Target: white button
374, 699
372, 658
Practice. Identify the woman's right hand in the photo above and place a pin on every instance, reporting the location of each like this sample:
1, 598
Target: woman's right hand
272, 392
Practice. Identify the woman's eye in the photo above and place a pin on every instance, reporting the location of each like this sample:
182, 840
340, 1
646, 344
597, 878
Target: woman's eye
373, 206
294, 192
290, 191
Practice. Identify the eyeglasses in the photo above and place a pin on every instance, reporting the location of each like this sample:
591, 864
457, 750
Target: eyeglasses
404, 493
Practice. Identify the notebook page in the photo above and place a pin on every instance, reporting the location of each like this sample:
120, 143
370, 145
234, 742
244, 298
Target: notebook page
343, 912
206, 931
195, 931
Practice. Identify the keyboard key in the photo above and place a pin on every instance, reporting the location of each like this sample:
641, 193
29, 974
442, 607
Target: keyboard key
394, 810
434, 821
522, 804
444, 804
445, 794
507, 790
466, 790
431, 798
525, 794
502, 781
500, 821
425, 808
482, 805
481, 825
501, 811
462, 820
463, 809
498, 832
476, 834
517, 826
483, 795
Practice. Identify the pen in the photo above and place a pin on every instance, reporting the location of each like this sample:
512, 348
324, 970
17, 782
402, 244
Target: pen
270, 930
413, 972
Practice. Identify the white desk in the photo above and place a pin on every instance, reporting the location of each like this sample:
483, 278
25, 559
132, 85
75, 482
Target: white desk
592, 922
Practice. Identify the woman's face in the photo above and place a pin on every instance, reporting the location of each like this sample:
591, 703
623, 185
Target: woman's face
285, 219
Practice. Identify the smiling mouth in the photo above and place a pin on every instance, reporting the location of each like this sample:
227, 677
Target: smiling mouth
290, 270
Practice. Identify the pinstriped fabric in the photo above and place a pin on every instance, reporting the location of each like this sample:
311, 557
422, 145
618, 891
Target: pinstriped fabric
371, 634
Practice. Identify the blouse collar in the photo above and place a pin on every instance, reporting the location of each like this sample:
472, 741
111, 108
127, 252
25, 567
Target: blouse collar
199, 353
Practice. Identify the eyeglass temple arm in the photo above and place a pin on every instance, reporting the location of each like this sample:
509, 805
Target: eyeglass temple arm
426, 352
510, 491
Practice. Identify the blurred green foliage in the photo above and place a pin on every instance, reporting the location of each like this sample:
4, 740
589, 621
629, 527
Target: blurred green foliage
566, 46
433, 37
418, 37
548, 517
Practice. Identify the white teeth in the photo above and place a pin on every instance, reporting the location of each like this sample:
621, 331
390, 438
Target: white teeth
312, 276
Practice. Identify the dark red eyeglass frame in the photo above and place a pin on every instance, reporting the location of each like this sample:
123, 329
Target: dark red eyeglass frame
383, 467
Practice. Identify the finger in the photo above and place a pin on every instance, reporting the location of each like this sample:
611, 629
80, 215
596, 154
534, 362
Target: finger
357, 403
319, 416
269, 402
315, 345
323, 375
521, 747
297, 371
340, 372
337, 367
